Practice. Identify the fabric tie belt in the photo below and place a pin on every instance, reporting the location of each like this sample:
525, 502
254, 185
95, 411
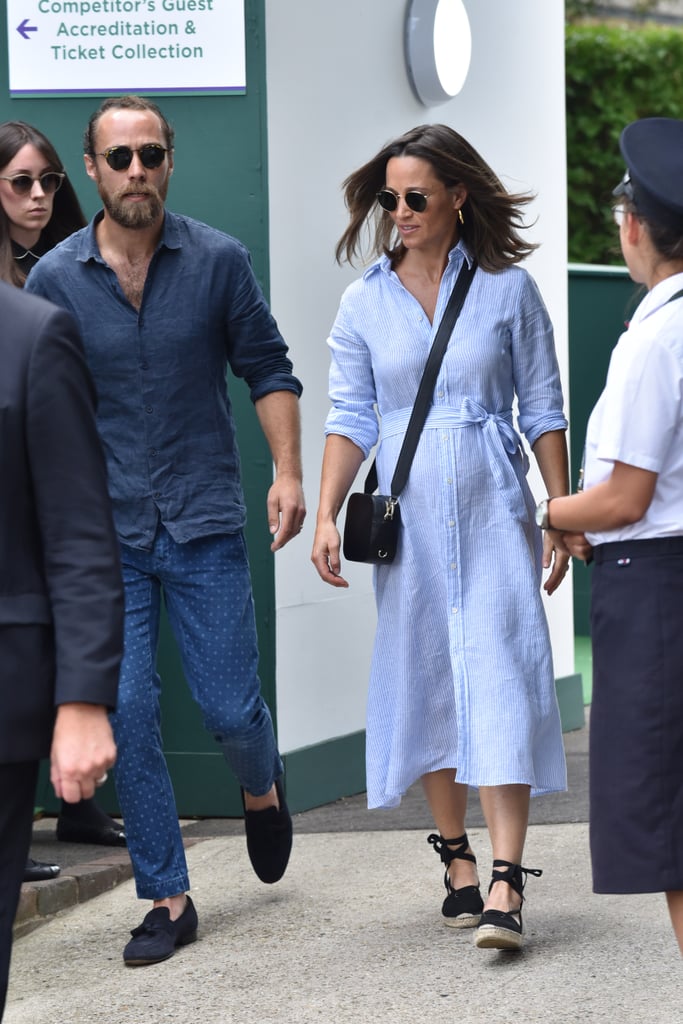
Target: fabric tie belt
500, 438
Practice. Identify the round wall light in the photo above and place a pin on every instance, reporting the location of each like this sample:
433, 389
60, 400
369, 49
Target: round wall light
438, 48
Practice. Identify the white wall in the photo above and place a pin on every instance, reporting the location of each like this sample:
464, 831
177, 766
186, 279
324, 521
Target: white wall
337, 90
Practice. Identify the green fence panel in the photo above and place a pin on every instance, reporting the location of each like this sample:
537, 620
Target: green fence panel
601, 301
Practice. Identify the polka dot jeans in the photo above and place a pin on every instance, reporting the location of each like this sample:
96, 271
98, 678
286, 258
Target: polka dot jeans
208, 596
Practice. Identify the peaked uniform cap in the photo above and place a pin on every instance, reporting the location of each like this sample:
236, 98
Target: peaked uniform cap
652, 149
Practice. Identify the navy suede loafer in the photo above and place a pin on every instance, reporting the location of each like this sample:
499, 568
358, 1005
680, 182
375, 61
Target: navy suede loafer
269, 838
158, 937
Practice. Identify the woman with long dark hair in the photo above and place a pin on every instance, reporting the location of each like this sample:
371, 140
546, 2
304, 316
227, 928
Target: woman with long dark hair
38, 204
462, 684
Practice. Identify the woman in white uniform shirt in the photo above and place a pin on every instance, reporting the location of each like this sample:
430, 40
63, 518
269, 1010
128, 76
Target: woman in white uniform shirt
629, 518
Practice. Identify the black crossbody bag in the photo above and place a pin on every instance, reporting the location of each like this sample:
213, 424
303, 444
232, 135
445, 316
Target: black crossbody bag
373, 521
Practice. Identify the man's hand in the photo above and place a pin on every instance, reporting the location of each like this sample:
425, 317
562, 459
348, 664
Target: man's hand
286, 509
278, 414
83, 750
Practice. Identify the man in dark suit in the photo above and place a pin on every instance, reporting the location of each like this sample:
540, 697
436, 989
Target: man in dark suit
61, 601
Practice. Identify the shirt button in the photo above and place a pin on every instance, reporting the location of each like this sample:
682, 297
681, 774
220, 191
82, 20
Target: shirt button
152, 452
148, 408
144, 366
156, 494
449, 479
451, 522
454, 565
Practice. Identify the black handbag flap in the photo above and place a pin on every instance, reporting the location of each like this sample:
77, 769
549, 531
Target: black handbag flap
371, 528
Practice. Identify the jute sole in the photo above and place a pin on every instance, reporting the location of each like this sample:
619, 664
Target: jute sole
488, 936
462, 921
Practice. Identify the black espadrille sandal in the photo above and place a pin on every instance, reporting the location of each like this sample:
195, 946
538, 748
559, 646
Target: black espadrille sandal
462, 907
499, 929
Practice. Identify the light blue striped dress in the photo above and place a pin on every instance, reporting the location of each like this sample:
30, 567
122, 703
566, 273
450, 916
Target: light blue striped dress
462, 672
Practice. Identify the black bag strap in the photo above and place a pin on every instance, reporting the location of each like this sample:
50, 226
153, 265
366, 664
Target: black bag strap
425, 391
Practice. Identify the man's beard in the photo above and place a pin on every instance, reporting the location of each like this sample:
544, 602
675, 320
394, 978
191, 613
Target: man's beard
136, 215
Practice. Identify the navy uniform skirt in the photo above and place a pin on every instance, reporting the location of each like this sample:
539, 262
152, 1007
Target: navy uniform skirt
636, 723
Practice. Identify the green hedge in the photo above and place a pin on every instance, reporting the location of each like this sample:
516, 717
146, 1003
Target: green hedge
615, 74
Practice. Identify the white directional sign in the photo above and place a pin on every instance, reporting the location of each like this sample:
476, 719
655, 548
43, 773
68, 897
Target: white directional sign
95, 47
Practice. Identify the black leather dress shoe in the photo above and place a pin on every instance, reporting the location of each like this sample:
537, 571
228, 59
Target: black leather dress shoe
157, 938
39, 871
269, 838
103, 834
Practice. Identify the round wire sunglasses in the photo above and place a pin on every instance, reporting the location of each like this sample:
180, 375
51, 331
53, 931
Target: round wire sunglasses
22, 184
414, 200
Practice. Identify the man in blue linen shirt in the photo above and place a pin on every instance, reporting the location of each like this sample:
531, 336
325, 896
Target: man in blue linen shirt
165, 303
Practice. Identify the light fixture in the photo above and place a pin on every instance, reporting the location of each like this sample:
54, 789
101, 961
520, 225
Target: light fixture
438, 48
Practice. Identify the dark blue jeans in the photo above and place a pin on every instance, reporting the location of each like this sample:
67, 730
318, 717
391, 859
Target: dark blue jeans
208, 596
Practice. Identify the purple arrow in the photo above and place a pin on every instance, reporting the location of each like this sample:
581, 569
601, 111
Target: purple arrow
25, 28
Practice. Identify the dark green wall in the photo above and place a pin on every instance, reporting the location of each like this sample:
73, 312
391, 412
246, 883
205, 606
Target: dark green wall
601, 300
220, 177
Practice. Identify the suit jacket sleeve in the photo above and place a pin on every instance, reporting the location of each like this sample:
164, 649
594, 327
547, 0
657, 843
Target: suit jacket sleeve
80, 548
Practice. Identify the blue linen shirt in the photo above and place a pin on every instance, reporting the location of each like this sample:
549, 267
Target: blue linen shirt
164, 412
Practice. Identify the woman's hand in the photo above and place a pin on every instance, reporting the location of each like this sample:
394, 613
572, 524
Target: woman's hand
341, 461
325, 555
555, 554
551, 454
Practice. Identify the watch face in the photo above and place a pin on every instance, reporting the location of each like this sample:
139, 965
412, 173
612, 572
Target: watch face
541, 513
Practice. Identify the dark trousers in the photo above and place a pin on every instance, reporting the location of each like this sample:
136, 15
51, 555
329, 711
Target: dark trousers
17, 798
636, 726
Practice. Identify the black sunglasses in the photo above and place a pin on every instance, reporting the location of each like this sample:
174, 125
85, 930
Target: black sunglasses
388, 200
22, 184
120, 158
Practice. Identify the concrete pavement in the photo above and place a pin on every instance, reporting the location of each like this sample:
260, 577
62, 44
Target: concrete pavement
353, 933
88, 871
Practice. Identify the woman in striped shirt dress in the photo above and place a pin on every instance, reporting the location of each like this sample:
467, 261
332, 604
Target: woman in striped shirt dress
462, 684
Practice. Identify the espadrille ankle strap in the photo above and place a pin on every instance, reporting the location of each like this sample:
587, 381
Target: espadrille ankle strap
443, 848
512, 874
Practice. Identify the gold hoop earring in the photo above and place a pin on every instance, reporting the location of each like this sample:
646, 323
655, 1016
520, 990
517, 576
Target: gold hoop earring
460, 216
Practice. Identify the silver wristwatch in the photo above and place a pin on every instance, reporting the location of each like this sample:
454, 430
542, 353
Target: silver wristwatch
542, 514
